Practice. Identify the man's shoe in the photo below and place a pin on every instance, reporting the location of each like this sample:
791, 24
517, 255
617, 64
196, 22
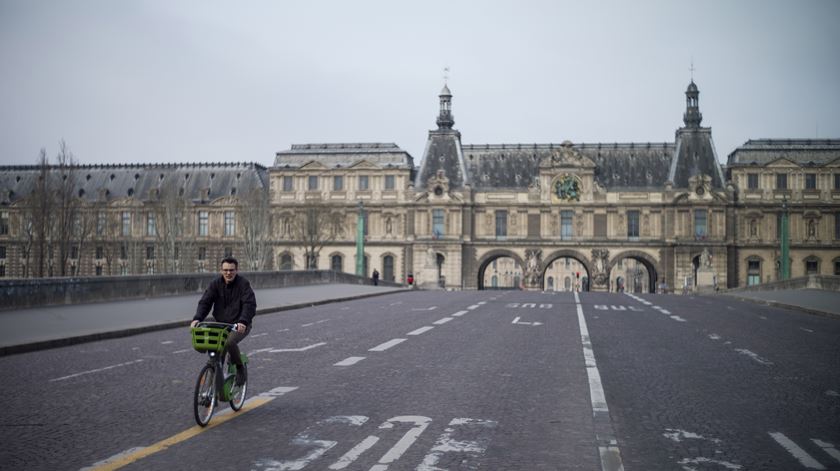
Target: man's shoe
241, 375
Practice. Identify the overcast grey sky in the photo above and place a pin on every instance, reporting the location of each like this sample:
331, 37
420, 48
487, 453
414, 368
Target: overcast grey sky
220, 81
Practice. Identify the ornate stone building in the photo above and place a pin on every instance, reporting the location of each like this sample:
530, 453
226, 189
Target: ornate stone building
558, 216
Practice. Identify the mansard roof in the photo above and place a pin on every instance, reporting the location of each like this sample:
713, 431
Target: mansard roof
343, 155
626, 165
196, 182
803, 152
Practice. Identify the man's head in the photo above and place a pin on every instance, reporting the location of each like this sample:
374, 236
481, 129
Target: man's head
229, 268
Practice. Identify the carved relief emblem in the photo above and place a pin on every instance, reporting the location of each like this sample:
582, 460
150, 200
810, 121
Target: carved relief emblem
567, 188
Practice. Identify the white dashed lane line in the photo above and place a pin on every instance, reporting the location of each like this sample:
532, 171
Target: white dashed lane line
387, 345
421, 330
349, 361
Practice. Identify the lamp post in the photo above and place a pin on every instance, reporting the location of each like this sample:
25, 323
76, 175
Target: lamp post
360, 241
784, 263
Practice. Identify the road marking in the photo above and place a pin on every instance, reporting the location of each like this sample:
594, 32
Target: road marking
609, 451
801, 455
442, 321
701, 460
348, 458
446, 444
259, 335
754, 356
308, 325
128, 457
316, 447
516, 321
396, 451
387, 345
96, 370
301, 349
715, 336
678, 319
421, 330
167, 342
474, 306
807, 330
828, 448
459, 313
349, 361
678, 435
424, 308
182, 351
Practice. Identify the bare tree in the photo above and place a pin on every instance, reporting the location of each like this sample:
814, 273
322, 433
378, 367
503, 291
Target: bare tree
172, 215
41, 205
313, 227
256, 225
67, 205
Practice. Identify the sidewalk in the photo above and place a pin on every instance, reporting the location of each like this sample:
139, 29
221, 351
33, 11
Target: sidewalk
54, 326
813, 301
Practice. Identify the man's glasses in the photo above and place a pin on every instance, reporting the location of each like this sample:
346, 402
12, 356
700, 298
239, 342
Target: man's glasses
228, 271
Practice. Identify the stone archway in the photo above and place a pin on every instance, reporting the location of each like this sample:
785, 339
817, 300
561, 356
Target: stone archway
492, 255
645, 259
585, 278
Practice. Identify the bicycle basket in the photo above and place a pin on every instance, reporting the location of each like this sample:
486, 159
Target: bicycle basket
209, 339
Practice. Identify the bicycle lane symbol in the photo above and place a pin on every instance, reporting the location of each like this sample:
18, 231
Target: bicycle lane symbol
316, 446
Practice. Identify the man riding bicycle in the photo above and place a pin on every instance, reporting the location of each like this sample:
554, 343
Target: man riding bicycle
233, 301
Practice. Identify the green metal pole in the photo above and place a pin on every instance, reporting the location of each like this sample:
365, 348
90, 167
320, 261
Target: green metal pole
360, 241
785, 249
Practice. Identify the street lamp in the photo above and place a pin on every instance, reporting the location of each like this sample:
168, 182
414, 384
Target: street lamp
360, 241
784, 263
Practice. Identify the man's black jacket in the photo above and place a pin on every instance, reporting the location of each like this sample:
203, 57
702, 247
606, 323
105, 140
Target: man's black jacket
231, 303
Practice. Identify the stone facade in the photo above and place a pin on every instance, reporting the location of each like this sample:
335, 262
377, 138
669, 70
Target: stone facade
604, 216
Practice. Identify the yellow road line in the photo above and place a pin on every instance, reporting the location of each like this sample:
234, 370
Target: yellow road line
226, 415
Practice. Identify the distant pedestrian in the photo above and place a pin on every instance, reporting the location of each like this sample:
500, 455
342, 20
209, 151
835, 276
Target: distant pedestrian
375, 277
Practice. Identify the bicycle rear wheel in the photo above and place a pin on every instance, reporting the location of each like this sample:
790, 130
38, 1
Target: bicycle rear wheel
204, 401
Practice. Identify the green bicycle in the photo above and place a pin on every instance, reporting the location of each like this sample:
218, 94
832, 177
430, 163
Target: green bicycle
216, 381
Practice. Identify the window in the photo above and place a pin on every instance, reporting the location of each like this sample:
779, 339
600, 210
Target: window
364, 183
390, 182
837, 225
230, 223
288, 183
438, 223
752, 181
100, 223
2, 270
388, 268
100, 251
810, 181
151, 224
202, 253
203, 218
74, 252
313, 183
781, 181
99, 270
700, 224
126, 223
337, 263
338, 183
150, 252
753, 272
837, 181
123, 252
837, 267
228, 252
812, 266
501, 223
285, 261
4, 222
566, 218
633, 224
2, 251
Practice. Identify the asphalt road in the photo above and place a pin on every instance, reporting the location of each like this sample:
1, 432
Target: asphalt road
487, 380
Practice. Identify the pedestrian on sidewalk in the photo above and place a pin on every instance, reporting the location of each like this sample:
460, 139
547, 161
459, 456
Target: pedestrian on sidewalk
375, 277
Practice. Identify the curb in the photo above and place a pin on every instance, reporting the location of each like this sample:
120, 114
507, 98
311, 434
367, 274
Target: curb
806, 310
63, 342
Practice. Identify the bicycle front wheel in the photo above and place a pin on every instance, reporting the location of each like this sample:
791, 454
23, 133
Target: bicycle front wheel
204, 401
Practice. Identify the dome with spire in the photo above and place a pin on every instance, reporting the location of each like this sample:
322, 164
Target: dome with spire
445, 91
